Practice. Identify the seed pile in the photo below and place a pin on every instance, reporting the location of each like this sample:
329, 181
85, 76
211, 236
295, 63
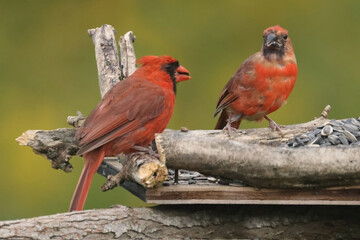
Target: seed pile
191, 177
334, 132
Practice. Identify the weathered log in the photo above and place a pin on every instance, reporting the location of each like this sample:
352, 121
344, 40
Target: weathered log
192, 221
254, 156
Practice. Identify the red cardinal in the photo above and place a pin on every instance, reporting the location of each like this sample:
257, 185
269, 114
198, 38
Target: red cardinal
262, 83
128, 117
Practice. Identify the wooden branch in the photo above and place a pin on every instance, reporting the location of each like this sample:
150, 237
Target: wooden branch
59, 145
192, 221
107, 58
109, 69
56, 145
127, 54
138, 167
253, 158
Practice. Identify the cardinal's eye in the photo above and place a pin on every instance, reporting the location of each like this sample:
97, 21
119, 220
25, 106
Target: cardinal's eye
285, 37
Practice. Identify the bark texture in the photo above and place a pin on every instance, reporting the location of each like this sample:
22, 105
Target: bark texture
138, 167
252, 158
127, 54
194, 222
56, 145
107, 57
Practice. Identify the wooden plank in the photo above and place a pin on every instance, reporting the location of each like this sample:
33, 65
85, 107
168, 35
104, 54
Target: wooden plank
194, 188
201, 194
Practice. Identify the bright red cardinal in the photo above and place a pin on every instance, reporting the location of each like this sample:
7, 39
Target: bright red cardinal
127, 117
262, 83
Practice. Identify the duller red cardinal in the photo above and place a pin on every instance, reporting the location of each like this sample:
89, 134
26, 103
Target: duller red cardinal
262, 83
128, 117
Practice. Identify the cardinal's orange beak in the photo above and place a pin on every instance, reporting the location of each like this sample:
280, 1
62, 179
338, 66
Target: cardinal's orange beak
182, 74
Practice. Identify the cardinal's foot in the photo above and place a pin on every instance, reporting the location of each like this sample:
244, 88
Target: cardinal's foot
230, 130
273, 125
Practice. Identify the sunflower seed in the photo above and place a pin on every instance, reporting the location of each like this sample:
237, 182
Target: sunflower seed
356, 134
350, 127
337, 133
191, 181
350, 136
343, 140
311, 135
200, 178
327, 130
296, 144
326, 144
338, 128
354, 122
315, 140
335, 123
313, 145
211, 179
334, 139
316, 131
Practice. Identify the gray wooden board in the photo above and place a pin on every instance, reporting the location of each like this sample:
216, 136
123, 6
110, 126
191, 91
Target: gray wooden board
194, 188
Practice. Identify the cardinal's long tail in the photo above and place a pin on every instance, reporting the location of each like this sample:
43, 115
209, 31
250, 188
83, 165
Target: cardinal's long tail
223, 119
93, 160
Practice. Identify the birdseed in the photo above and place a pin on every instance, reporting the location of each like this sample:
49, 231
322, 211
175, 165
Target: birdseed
333, 132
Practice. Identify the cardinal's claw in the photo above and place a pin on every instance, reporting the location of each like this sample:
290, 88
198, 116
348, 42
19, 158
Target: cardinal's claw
230, 129
273, 125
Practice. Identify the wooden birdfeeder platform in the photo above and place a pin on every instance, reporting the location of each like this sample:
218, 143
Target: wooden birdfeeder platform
195, 188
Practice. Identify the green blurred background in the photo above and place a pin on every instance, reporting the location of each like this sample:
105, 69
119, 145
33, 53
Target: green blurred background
48, 71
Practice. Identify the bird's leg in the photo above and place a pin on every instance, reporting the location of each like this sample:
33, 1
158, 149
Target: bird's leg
176, 177
272, 125
230, 120
146, 150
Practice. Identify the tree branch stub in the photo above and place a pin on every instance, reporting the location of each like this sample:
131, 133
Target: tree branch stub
139, 167
107, 57
127, 54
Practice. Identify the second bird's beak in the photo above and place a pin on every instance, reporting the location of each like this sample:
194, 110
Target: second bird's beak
272, 41
182, 74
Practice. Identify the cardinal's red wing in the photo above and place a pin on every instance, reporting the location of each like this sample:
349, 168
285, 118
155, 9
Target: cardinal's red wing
127, 106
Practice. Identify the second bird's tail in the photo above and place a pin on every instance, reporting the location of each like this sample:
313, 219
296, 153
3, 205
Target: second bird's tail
223, 119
